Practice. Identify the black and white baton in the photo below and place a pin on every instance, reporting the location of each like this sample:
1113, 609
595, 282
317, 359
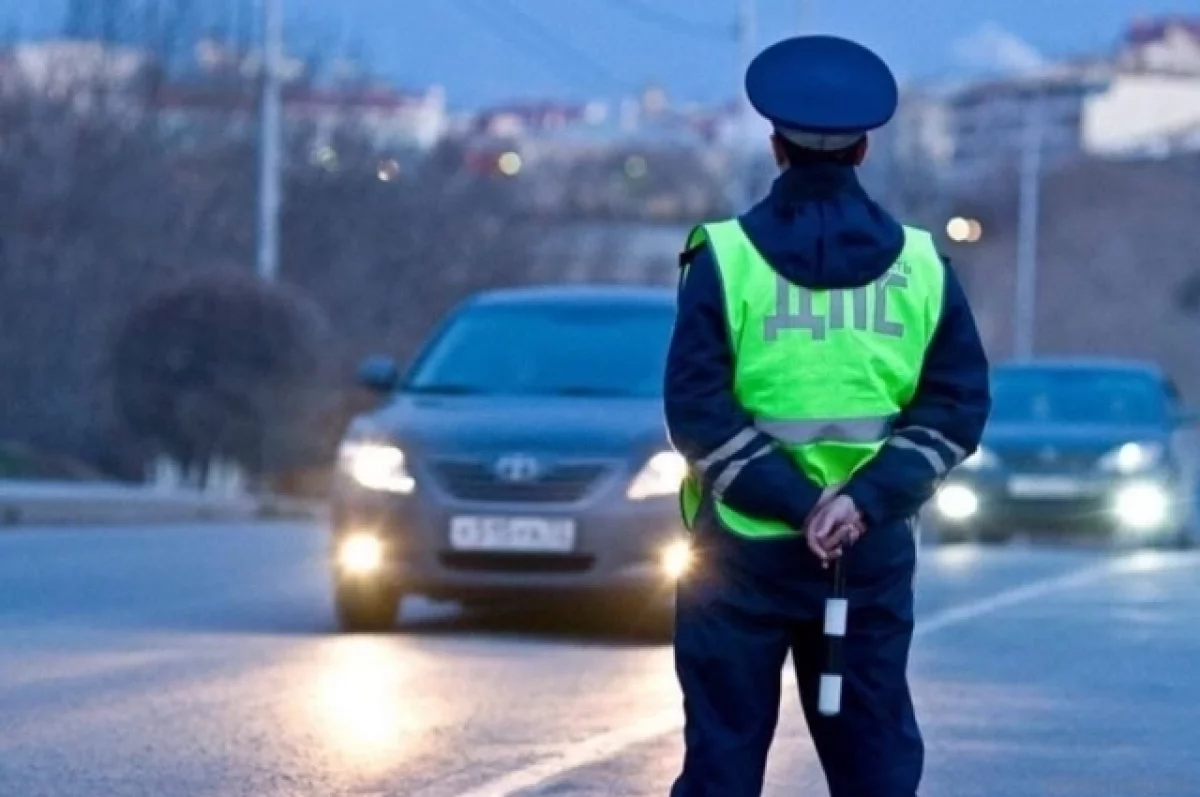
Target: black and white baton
829, 701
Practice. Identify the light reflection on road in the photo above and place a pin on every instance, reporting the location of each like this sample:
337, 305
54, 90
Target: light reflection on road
955, 559
359, 704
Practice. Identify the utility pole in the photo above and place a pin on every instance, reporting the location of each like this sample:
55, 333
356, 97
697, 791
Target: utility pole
269, 141
79, 20
740, 162
1027, 230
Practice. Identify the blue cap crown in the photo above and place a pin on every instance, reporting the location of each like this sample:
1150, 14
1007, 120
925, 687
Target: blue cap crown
822, 89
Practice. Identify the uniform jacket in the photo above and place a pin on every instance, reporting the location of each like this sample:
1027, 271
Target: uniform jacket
820, 229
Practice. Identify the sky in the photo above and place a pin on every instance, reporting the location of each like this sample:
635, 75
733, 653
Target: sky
488, 51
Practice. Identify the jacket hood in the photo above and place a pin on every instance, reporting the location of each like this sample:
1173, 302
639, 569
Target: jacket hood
819, 229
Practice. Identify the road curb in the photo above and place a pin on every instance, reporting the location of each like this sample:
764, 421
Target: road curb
44, 507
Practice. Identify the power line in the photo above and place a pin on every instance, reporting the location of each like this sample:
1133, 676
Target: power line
528, 35
673, 22
501, 27
555, 41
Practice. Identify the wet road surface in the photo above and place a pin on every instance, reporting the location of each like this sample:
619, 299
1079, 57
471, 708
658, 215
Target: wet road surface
201, 660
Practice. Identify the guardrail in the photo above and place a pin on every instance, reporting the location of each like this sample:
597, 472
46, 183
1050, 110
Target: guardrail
87, 503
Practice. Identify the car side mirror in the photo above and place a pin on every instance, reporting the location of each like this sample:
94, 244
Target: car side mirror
379, 374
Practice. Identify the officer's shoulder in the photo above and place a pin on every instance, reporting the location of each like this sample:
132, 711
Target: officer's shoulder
698, 274
688, 256
696, 251
948, 266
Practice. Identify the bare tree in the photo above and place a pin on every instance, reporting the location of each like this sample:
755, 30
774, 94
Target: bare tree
221, 365
107, 203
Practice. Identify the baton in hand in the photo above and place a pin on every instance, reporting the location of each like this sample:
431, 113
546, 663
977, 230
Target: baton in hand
829, 701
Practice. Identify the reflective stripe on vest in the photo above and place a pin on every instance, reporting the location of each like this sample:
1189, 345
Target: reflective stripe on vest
798, 431
824, 373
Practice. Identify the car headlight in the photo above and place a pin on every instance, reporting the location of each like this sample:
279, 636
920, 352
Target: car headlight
662, 475
1142, 505
376, 466
360, 553
982, 459
957, 502
1132, 458
675, 559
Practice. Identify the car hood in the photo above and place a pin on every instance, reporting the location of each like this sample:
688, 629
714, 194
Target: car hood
490, 425
1004, 436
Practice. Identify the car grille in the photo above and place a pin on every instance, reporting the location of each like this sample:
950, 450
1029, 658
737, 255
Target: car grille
518, 563
475, 481
1033, 461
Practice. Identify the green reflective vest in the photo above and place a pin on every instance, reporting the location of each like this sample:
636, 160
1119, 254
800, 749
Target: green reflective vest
823, 372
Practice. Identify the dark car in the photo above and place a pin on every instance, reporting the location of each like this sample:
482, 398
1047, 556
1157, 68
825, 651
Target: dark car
523, 453
1092, 447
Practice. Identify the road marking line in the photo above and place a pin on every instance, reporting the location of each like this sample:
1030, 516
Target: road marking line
91, 666
610, 743
1013, 597
597, 748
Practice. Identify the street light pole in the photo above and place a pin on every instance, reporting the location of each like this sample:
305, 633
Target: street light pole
740, 162
269, 189
1027, 232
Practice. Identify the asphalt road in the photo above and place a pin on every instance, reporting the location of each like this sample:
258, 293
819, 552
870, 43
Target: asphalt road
201, 661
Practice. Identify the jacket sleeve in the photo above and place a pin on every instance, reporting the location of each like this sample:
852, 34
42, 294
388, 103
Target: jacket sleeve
736, 462
940, 427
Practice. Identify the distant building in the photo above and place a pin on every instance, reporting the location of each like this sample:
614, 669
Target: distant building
909, 160
1142, 100
1144, 114
392, 119
534, 119
57, 67
634, 158
920, 130
988, 120
549, 131
1152, 107
222, 90
1161, 46
921, 127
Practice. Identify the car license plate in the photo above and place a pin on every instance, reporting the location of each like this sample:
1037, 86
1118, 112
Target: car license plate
1047, 487
514, 534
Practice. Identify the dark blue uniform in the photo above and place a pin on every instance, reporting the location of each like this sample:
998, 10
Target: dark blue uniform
751, 602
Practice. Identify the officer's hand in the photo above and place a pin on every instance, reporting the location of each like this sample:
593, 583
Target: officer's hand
843, 537
834, 525
827, 495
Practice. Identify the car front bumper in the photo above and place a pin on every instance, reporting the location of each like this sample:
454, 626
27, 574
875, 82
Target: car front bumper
620, 545
1147, 506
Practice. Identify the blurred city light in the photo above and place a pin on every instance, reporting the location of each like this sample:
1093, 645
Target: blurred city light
389, 170
635, 167
325, 157
509, 163
964, 230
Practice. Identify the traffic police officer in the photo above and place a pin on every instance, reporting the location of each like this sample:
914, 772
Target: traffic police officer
824, 375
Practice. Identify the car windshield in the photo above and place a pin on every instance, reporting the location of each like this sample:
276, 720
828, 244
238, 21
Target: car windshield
1076, 397
562, 350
